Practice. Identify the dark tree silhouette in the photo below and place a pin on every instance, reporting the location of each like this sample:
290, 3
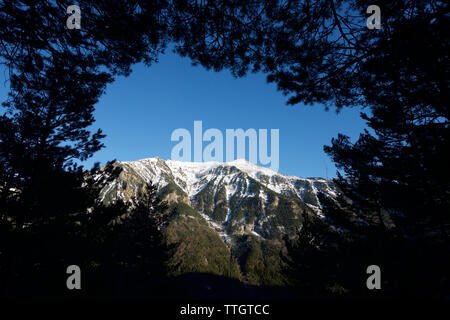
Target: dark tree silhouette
139, 250
400, 164
312, 260
317, 51
51, 213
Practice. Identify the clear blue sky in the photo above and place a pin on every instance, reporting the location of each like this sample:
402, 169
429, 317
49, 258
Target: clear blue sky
138, 114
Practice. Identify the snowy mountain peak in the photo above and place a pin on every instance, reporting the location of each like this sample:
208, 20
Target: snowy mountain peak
238, 201
236, 197
253, 170
238, 176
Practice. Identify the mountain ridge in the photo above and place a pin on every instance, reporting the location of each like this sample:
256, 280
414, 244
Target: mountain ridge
217, 189
231, 218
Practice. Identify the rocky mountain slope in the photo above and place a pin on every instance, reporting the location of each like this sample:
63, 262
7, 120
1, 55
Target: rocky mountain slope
239, 209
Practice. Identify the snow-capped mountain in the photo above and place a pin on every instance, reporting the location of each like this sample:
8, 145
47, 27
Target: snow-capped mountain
235, 197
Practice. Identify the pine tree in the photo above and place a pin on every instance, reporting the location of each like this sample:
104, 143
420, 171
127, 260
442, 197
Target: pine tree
51, 215
139, 249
